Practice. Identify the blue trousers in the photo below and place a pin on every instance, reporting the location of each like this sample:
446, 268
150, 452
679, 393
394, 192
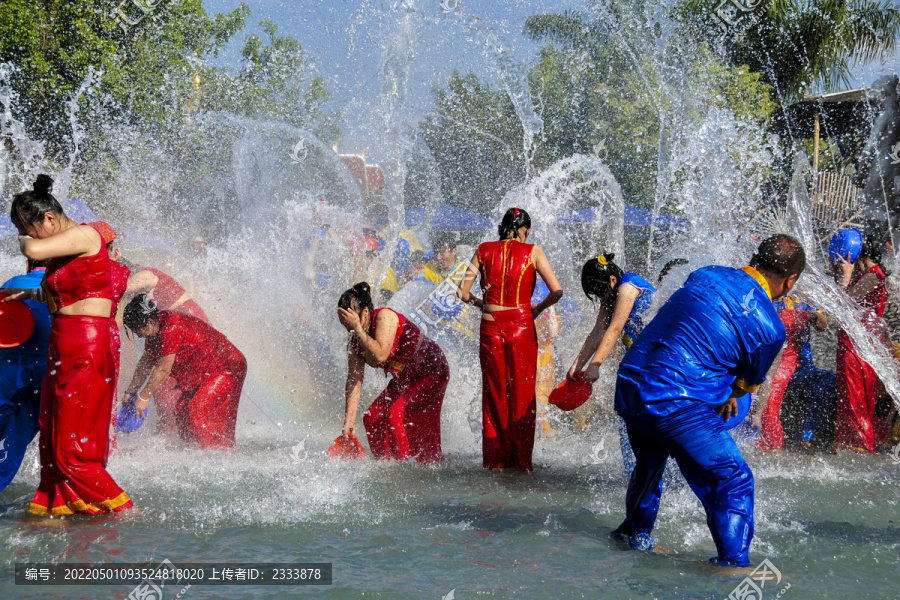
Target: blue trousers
711, 463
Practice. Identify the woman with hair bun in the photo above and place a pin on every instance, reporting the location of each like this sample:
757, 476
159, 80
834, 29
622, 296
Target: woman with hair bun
623, 299
77, 393
405, 420
206, 366
857, 427
508, 348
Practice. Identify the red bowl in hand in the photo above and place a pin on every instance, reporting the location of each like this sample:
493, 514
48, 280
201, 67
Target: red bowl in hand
571, 393
16, 323
347, 447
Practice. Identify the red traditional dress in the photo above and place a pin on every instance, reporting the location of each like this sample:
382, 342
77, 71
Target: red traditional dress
857, 427
209, 371
77, 396
405, 420
508, 354
165, 295
119, 274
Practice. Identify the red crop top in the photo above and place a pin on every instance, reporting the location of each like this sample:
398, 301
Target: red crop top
507, 273
405, 343
69, 279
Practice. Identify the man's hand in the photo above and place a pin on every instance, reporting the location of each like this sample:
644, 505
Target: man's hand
729, 409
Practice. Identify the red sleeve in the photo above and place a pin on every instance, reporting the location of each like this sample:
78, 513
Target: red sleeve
171, 337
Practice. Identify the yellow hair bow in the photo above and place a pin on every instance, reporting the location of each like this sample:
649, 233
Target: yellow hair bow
602, 259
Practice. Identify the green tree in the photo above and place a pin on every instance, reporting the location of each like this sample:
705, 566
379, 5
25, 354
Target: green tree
800, 44
475, 137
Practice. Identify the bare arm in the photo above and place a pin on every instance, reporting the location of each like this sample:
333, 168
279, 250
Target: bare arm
386, 326
604, 336
141, 372
141, 282
866, 284
356, 370
80, 240
157, 378
542, 266
469, 280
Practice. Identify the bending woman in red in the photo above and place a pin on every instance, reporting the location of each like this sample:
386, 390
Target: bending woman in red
77, 394
208, 369
405, 420
508, 350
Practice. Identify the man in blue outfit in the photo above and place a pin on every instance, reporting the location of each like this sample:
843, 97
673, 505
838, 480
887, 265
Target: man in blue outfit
712, 342
21, 374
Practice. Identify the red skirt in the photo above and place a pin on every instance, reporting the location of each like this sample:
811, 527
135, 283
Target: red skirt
771, 433
76, 404
508, 354
405, 420
208, 414
857, 426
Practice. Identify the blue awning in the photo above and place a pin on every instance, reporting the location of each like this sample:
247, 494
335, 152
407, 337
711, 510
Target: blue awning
634, 217
448, 217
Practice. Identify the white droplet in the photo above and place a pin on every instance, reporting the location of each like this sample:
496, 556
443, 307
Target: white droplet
53, 372
84, 440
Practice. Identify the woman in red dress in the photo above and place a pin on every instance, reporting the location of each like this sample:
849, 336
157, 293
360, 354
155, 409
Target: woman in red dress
169, 295
208, 369
119, 277
857, 426
405, 420
508, 349
77, 393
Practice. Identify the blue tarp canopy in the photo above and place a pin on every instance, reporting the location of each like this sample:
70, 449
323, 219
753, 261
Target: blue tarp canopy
634, 217
449, 217
80, 212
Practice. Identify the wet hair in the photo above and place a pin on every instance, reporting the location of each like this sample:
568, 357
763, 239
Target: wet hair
140, 311
513, 220
675, 262
29, 207
780, 255
872, 249
441, 240
359, 292
595, 276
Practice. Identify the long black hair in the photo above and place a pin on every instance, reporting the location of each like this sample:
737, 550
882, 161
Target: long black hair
30, 207
513, 220
140, 311
361, 293
595, 276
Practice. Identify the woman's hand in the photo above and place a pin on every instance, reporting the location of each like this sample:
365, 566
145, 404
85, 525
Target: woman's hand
592, 372
572, 371
15, 294
846, 269
349, 319
140, 405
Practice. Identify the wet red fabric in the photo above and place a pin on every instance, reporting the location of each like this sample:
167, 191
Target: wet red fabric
508, 354
76, 404
857, 426
507, 273
405, 420
406, 340
72, 278
771, 431
209, 372
119, 274
208, 414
